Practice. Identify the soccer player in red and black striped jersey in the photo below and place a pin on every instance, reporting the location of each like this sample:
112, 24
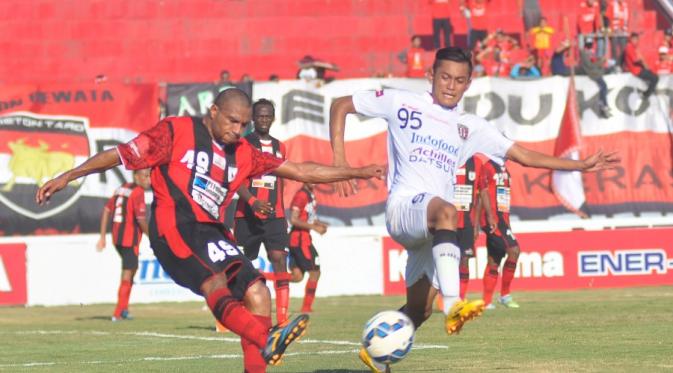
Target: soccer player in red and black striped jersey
303, 255
197, 166
260, 214
500, 241
128, 209
466, 200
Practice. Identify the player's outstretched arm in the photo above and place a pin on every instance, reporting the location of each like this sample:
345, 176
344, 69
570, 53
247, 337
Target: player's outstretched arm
98, 163
309, 172
340, 108
595, 162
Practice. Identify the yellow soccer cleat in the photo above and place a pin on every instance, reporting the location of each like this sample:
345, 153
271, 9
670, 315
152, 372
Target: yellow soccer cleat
281, 335
371, 364
462, 312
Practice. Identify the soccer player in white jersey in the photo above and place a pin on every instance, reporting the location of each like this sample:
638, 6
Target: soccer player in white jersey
428, 139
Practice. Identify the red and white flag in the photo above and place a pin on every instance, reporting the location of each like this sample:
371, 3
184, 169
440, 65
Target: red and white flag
567, 185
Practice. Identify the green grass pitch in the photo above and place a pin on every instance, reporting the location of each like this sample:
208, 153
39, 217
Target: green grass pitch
579, 331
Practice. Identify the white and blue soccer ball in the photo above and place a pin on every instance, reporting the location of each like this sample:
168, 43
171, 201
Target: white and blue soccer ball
388, 336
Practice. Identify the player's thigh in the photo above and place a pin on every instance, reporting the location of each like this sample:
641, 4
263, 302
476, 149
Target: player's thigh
406, 219
249, 233
129, 257
275, 237
194, 253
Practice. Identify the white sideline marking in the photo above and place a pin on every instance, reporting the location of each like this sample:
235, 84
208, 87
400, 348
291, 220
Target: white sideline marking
189, 357
200, 338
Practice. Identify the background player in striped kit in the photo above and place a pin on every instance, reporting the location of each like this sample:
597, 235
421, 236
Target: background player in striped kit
303, 255
260, 214
500, 241
128, 209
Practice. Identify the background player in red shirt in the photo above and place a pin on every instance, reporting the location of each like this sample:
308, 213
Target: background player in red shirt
467, 201
260, 213
129, 222
303, 255
197, 166
500, 241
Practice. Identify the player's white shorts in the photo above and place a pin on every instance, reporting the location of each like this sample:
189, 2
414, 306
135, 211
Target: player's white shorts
407, 223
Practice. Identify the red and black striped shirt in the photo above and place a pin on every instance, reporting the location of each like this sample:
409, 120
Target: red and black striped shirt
304, 202
466, 191
127, 205
193, 177
497, 179
267, 188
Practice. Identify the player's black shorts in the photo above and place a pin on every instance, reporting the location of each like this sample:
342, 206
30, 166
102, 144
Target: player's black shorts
192, 253
251, 232
499, 241
466, 241
304, 256
129, 257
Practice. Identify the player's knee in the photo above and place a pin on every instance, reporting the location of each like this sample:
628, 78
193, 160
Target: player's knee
314, 275
278, 258
258, 299
445, 216
513, 253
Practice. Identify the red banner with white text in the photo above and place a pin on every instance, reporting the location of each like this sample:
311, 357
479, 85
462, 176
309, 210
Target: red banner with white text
49, 129
566, 260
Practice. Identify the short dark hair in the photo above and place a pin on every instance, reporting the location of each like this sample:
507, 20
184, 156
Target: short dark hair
261, 102
232, 94
454, 54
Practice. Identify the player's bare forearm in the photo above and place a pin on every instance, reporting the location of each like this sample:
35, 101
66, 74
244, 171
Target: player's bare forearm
243, 193
104, 218
531, 158
340, 108
142, 223
309, 172
98, 163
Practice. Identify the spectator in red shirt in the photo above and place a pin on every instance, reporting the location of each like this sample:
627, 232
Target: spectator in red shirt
617, 13
590, 24
416, 59
475, 11
441, 21
127, 207
635, 64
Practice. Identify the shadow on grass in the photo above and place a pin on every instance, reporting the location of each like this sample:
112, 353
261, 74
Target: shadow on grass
106, 318
197, 327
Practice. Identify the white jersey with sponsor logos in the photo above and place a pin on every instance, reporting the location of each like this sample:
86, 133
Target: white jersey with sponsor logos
427, 142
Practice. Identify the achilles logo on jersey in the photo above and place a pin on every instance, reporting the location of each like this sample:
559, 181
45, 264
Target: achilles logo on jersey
36, 148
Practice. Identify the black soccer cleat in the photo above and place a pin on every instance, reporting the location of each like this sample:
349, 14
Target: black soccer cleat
281, 336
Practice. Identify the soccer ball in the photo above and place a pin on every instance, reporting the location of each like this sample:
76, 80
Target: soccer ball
388, 336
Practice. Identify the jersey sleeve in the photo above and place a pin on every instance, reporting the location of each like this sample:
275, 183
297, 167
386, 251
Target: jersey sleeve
299, 201
139, 206
260, 163
150, 148
485, 138
377, 104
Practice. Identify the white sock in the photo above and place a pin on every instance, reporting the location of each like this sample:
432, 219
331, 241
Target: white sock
447, 262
